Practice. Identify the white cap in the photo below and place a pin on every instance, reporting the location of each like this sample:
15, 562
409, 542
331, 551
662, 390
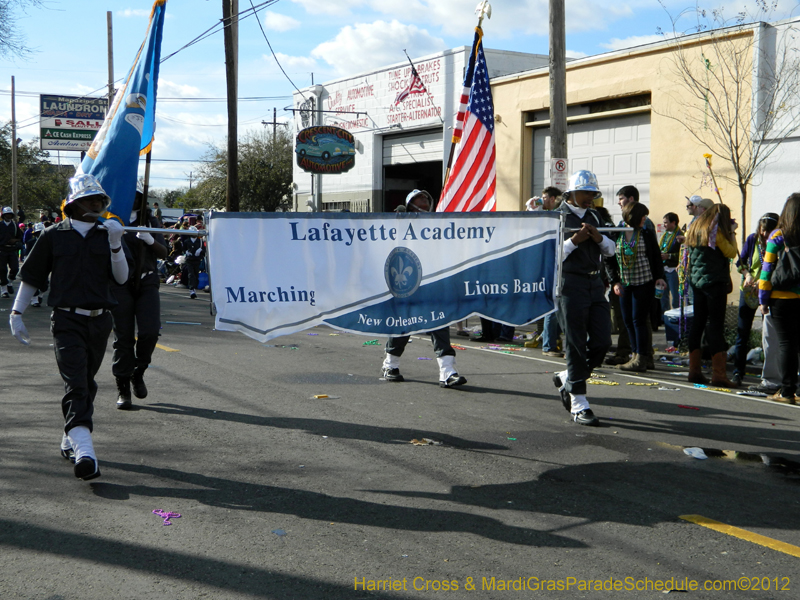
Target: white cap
414, 193
7, 210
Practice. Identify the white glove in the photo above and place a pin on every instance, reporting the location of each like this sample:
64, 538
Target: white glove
18, 329
198, 252
145, 237
115, 232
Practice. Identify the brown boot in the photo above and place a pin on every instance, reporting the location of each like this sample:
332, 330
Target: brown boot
695, 370
638, 363
719, 377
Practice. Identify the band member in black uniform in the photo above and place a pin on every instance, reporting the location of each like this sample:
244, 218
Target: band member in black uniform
10, 245
81, 258
422, 201
583, 311
138, 307
194, 251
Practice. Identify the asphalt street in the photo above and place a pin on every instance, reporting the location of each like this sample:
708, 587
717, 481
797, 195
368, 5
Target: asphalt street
284, 495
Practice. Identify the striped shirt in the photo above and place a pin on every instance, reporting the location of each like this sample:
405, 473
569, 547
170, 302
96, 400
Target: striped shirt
775, 244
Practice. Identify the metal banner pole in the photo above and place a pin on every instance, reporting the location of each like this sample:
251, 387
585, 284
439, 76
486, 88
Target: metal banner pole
560, 254
600, 229
201, 232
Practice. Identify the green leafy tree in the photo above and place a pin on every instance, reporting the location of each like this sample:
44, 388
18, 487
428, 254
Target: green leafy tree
40, 184
172, 198
265, 173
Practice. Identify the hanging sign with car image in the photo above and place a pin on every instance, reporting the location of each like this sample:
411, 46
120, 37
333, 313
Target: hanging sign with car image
325, 149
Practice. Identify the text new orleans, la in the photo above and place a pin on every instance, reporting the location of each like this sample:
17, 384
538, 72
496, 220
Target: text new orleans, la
348, 236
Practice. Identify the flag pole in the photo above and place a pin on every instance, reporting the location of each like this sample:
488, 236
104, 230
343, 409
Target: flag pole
707, 157
484, 8
146, 189
413, 68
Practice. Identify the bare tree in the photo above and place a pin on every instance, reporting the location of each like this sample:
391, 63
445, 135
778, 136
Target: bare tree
742, 79
12, 43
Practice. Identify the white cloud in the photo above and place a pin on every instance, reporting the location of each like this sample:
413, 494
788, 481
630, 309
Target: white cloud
279, 22
329, 7
297, 63
176, 90
133, 12
576, 54
366, 46
79, 89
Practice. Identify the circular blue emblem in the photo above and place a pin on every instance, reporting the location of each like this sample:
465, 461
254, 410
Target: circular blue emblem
403, 272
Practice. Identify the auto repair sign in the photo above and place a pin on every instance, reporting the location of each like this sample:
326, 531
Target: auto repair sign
326, 150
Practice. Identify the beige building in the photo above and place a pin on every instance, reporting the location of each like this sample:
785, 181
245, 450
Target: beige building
622, 110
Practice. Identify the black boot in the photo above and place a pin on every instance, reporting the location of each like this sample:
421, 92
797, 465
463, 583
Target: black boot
139, 388
124, 389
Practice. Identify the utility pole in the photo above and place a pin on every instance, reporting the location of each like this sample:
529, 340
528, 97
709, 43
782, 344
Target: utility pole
558, 83
316, 178
14, 199
274, 124
190, 179
230, 18
110, 59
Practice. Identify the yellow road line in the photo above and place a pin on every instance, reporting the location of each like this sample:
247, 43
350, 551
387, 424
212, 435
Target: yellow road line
166, 348
743, 534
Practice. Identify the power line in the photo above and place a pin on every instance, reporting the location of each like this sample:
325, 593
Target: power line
275, 56
164, 98
216, 28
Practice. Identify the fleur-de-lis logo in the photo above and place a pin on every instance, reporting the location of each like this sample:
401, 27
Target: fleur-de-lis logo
402, 272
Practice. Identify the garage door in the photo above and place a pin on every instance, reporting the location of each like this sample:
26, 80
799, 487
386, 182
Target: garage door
616, 150
427, 146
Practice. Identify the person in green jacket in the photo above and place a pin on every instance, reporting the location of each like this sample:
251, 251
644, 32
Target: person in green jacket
711, 243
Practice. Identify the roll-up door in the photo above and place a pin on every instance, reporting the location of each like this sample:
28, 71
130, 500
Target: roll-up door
616, 150
426, 146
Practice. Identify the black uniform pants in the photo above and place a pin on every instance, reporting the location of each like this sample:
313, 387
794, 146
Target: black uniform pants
193, 273
79, 343
439, 337
9, 266
140, 309
585, 317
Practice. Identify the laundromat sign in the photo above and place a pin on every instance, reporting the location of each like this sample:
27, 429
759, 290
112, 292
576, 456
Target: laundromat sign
324, 149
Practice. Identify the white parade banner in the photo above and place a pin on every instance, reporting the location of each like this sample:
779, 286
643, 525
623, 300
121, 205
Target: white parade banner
273, 274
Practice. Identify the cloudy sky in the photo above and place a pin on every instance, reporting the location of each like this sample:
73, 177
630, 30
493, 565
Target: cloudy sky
323, 39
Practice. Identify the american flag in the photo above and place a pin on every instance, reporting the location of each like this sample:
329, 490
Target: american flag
470, 185
415, 86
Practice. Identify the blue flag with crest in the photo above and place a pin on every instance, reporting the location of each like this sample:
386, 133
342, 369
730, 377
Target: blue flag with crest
128, 130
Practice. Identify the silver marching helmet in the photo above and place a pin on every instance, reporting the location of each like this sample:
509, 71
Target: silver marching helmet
7, 210
414, 193
584, 181
83, 186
